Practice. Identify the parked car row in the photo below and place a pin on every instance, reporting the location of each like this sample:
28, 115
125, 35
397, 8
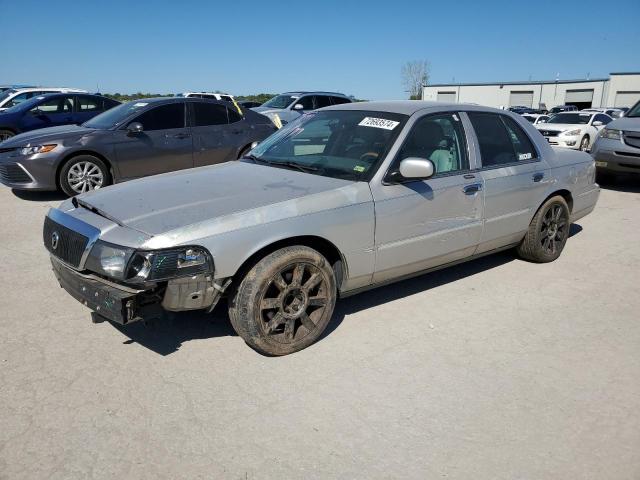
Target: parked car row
347, 198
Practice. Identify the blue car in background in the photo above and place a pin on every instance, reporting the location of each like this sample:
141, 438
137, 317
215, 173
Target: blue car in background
52, 110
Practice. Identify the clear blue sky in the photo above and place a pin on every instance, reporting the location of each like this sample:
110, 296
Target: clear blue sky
356, 47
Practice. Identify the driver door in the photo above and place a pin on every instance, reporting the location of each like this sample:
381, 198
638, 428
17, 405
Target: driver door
50, 113
164, 145
425, 223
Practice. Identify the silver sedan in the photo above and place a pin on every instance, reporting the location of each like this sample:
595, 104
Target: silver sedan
344, 199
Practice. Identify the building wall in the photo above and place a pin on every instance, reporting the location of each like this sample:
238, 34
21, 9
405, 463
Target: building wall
550, 94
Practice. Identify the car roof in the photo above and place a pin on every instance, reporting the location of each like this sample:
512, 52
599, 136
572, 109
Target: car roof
314, 92
409, 107
53, 89
189, 92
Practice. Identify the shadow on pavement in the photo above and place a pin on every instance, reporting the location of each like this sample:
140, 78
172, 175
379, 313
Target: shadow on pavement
165, 336
36, 196
621, 183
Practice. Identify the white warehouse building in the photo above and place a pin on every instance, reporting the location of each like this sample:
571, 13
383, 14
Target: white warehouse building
621, 89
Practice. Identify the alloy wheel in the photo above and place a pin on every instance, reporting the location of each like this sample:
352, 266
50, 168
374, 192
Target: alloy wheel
554, 229
85, 176
293, 302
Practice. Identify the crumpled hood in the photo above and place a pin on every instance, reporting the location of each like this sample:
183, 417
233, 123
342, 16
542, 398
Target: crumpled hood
162, 203
43, 135
625, 123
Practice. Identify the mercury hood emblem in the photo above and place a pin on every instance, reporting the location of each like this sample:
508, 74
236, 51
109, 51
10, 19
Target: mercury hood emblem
54, 240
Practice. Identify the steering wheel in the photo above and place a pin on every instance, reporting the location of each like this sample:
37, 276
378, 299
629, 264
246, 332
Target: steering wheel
373, 155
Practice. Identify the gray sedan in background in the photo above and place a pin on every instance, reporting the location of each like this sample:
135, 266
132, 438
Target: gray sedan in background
344, 199
132, 140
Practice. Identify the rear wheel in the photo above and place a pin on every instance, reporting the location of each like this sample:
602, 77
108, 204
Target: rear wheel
548, 232
285, 302
6, 134
82, 174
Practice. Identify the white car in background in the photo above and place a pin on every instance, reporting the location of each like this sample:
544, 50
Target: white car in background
13, 96
535, 118
611, 111
577, 130
214, 96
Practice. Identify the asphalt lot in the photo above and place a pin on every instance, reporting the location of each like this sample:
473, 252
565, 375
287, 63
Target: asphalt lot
496, 369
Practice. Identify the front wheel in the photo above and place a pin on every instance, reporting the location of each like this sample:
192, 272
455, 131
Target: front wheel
82, 174
584, 144
285, 302
548, 232
6, 134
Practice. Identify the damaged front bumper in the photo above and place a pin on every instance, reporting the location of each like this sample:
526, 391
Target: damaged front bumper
123, 304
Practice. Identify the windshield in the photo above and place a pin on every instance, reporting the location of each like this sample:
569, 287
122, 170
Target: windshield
280, 101
6, 94
634, 111
529, 118
340, 143
115, 116
573, 118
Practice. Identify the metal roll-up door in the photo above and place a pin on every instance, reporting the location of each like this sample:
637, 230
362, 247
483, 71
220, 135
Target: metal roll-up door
573, 97
521, 98
626, 99
447, 97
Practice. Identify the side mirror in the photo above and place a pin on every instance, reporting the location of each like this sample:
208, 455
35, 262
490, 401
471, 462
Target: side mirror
298, 106
414, 168
134, 128
597, 123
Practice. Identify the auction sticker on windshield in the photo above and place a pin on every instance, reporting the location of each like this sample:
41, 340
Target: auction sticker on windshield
378, 123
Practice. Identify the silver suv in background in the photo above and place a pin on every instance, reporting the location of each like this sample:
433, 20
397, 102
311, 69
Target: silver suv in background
290, 105
617, 148
13, 96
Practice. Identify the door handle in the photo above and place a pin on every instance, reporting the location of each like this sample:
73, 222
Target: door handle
537, 177
179, 136
472, 189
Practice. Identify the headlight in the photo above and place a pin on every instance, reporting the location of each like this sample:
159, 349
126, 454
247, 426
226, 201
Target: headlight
140, 266
572, 133
110, 260
37, 149
610, 133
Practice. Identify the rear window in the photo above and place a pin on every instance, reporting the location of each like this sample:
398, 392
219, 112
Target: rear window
209, 114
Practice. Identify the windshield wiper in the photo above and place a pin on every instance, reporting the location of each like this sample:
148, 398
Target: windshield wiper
297, 166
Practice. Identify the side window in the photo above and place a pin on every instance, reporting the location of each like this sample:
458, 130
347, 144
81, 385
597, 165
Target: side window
234, 116
163, 117
521, 143
439, 138
209, 114
602, 118
56, 105
322, 101
108, 103
496, 142
340, 100
89, 104
306, 102
226, 98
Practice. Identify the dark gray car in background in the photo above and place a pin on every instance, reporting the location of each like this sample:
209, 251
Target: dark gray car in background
132, 140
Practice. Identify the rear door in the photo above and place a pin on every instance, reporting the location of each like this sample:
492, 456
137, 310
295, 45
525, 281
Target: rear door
215, 139
87, 107
164, 145
514, 178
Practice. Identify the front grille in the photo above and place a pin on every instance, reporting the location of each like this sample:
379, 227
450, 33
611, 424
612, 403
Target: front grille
13, 173
549, 133
69, 244
632, 139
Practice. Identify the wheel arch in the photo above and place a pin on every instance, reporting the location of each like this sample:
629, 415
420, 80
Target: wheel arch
325, 247
564, 193
77, 153
10, 129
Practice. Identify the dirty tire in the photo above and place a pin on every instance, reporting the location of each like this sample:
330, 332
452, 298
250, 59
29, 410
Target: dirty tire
285, 302
96, 167
5, 135
548, 232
